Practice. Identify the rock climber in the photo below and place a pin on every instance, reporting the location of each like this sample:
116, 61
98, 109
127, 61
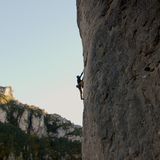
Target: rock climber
80, 85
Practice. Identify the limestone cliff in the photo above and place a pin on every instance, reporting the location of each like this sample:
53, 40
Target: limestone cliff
122, 79
29, 133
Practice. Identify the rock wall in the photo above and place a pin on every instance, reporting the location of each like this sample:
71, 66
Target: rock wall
122, 79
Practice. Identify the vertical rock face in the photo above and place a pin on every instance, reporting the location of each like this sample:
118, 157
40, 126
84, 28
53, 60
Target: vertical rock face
122, 79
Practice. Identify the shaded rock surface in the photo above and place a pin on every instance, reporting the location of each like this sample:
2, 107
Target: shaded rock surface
122, 79
29, 133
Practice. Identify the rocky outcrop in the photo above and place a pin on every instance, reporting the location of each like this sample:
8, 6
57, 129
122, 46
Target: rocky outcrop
3, 116
7, 91
121, 84
27, 132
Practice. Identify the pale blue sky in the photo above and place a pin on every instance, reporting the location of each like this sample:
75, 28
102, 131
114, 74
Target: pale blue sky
41, 54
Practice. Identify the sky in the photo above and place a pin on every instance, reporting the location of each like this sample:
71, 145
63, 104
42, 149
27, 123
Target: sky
41, 54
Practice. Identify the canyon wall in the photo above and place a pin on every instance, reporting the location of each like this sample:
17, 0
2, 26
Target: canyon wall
121, 52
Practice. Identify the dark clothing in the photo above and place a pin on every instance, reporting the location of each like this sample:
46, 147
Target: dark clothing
80, 85
78, 80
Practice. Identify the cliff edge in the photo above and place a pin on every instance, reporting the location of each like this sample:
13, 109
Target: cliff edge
122, 79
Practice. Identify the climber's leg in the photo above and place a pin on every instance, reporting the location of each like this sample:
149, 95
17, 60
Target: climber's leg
81, 93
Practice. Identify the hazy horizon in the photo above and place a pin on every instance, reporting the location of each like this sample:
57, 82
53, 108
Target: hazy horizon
42, 54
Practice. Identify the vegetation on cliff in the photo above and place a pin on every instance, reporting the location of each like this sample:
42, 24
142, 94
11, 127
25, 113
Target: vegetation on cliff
24, 146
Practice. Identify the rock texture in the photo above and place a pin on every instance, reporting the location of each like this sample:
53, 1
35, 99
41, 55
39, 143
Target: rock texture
7, 91
29, 133
122, 79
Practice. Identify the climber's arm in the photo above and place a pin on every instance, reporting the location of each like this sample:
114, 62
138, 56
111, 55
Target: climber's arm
81, 74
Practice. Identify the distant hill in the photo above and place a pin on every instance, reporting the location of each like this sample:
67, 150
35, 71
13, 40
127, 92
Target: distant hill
29, 133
